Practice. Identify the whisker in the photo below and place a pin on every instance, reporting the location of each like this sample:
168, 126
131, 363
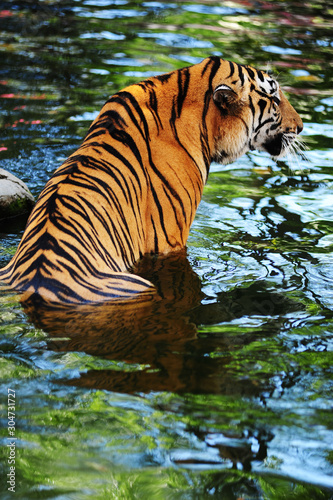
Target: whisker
294, 147
301, 148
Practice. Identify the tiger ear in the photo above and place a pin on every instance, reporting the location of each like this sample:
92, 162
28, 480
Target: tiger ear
224, 95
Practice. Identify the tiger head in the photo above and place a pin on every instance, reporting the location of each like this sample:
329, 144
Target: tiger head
251, 104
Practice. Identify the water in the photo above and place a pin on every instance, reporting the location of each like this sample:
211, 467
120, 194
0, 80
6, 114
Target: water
221, 392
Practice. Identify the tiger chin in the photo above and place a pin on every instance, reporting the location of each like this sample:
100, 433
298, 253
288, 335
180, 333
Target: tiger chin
133, 187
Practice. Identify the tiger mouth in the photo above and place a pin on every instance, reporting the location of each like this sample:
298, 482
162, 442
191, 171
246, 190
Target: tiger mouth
275, 146
281, 144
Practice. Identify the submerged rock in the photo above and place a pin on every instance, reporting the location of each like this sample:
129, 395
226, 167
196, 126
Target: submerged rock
15, 197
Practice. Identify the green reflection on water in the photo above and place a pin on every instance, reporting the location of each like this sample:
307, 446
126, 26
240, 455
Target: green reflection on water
235, 400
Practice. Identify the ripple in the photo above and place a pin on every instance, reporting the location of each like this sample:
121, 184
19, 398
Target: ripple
177, 40
274, 49
108, 13
214, 9
102, 35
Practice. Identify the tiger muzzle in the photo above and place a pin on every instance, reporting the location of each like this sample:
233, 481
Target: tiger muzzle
275, 146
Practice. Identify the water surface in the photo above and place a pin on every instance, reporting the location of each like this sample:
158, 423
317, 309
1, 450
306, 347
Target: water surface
224, 388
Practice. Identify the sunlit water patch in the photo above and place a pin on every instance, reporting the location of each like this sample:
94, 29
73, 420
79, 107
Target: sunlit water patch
231, 397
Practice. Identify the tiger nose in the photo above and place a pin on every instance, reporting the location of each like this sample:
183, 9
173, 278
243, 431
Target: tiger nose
297, 128
299, 125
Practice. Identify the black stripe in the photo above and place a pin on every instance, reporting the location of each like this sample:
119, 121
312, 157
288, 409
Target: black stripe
146, 85
91, 241
92, 135
262, 105
175, 133
240, 73
185, 190
138, 213
155, 235
252, 106
232, 69
164, 78
124, 96
153, 104
183, 85
114, 152
269, 120
70, 202
264, 95
276, 125
126, 139
87, 238
161, 216
173, 207
260, 75
109, 119
212, 60
215, 63
250, 72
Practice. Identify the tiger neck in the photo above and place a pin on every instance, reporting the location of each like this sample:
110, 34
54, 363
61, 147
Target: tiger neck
176, 121
167, 144
179, 160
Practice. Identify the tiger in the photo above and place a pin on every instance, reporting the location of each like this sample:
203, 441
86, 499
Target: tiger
133, 186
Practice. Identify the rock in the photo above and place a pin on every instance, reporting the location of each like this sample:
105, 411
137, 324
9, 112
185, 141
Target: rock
15, 197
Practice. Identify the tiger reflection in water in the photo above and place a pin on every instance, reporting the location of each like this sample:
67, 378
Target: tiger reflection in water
142, 331
160, 333
159, 338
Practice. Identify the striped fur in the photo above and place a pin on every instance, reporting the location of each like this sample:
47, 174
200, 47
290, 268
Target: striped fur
134, 185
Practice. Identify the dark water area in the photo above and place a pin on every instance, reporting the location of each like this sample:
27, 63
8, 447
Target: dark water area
223, 388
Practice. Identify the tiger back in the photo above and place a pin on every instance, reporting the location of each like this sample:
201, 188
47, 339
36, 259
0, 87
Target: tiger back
134, 185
